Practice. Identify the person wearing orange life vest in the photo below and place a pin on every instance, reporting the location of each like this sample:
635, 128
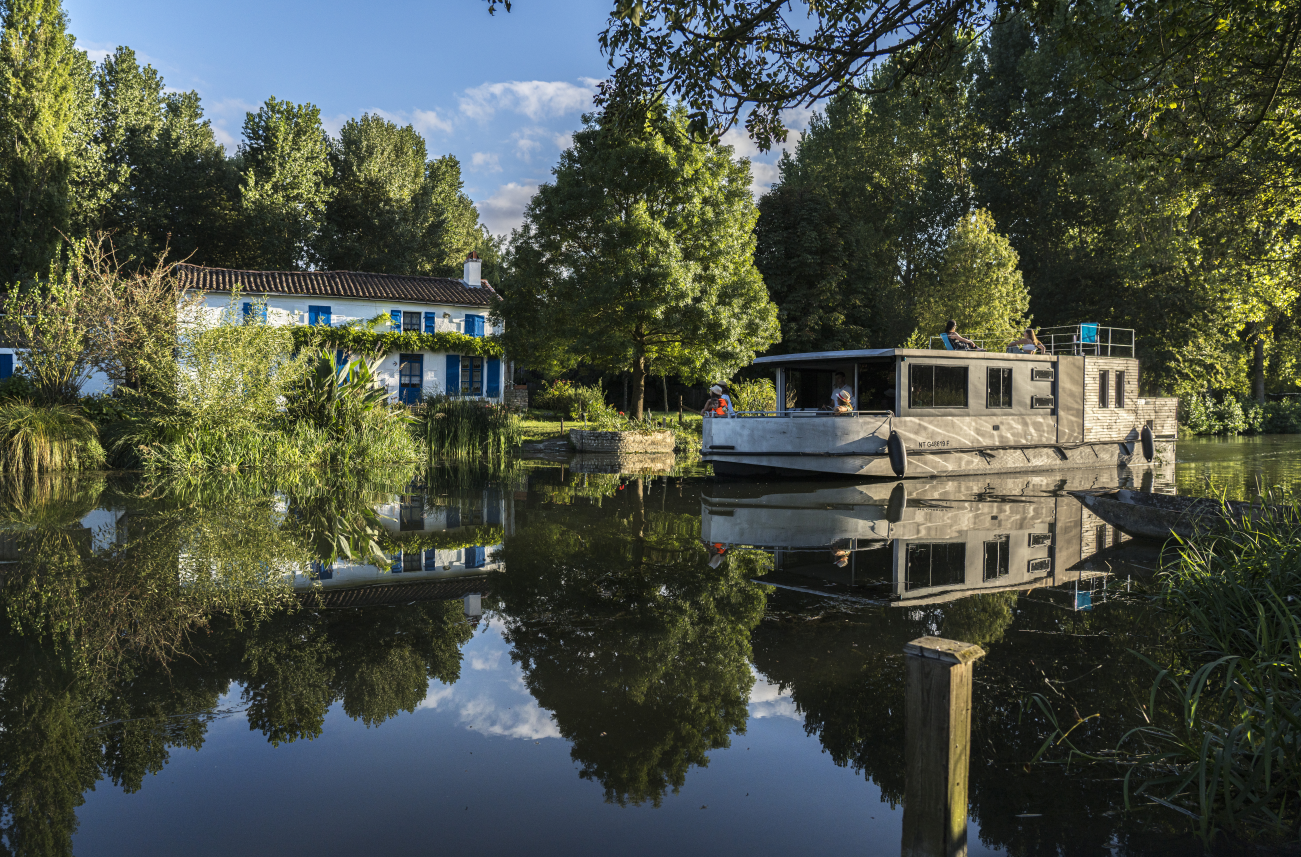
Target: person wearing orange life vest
719, 404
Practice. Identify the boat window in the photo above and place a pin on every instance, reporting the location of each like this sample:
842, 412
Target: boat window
998, 392
936, 564
876, 386
1104, 393
938, 386
809, 388
1120, 389
996, 562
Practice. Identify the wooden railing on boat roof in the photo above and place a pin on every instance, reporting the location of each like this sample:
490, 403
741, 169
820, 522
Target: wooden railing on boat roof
1086, 338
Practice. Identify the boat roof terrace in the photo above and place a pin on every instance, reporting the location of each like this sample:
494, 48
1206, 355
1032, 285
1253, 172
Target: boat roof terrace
866, 353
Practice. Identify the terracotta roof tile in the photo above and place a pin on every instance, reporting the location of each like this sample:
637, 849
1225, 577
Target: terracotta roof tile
338, 284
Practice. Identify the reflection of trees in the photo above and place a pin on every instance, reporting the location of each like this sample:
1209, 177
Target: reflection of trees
625, 634
844, 672
112, 655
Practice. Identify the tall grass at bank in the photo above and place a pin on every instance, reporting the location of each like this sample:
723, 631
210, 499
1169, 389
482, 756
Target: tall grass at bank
35, 438
467, 429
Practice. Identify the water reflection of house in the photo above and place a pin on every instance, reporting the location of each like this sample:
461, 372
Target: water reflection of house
446, 547
919, 542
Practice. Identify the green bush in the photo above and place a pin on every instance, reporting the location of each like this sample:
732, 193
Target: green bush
16, 386
35, 438
1282, 417
757, 395
1203, 414
574, 401
469, 428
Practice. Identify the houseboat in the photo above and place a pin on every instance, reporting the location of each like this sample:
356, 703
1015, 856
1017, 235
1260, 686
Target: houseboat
927, 412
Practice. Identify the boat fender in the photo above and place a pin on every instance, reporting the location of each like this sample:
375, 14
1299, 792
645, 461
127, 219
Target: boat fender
898, 502
898, 455
1148, 442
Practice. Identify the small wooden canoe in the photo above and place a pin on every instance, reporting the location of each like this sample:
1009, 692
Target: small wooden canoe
1157, 516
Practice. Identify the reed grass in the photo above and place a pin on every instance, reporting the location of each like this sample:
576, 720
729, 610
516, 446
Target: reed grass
36, 438
467, 429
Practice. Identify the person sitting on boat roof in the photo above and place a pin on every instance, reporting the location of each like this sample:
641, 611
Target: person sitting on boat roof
1028, 344
843, 404
957, 340
839, 386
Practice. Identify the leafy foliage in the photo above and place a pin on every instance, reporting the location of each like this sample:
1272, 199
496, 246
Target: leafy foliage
639, 258
361, 340
51, 437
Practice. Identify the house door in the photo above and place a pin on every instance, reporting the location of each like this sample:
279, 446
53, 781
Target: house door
411, 373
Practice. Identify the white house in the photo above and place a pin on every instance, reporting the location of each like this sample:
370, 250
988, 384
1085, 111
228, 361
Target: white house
412, 304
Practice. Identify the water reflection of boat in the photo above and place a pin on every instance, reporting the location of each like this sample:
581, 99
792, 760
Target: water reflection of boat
917, 542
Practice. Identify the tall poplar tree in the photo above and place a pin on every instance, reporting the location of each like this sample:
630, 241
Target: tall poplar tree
639, 257
42, 102
285, 189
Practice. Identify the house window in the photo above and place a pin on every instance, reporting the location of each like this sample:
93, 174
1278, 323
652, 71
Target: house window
936, 564
411, 513
1104, 389
411, 322
471, 376
996, 557
474, 325
999, 388
318, 315
1120, 389
938, 386
411, 372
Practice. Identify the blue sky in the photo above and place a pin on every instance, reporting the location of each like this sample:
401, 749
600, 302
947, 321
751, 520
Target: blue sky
502, 93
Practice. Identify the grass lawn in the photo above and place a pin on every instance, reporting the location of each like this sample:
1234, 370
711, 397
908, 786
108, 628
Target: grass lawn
538, 426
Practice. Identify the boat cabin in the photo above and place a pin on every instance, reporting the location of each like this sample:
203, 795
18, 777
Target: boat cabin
950, 411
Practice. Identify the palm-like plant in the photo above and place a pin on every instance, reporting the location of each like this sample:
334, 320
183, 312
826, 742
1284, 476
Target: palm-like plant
333, 396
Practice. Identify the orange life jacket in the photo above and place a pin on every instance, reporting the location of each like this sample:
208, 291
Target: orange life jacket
721, 410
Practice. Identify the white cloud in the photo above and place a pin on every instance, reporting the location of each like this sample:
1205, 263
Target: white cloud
334, 124
227, 116
485, 162
563, 141
767, 700
97, 55
518, 721
429, 122
536, 99
797, 118
486, 660
763, 165
504, 210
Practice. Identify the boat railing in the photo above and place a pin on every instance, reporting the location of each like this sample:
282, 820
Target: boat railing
1085, 338
793, 413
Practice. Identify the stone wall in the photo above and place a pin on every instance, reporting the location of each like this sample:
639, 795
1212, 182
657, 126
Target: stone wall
516, 398
622, 442
1112, 423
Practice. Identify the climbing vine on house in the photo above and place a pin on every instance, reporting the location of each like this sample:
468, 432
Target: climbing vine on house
359, 341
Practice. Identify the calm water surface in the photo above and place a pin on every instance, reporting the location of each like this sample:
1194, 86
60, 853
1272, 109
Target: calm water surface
563, 660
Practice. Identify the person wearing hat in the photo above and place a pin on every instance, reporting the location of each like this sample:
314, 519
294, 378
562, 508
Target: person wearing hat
719, 404
843, 403
839, 385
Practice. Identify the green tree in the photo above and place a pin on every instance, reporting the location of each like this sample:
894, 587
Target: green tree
977, 281
639, 257
285, 185
167, 183
43, 102
393, 211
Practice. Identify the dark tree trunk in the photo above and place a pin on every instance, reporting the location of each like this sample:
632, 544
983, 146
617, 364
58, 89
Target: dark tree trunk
1258, 368
638, 387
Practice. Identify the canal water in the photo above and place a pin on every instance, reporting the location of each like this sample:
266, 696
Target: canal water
581, 657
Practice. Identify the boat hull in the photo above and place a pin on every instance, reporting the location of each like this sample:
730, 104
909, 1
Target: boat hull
930, 463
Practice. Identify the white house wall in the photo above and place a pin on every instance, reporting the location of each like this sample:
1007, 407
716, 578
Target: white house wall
98, 383
292, 310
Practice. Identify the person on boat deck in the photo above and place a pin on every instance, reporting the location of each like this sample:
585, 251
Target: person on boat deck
719, 405
839, 386
957, 340
1028, 344
843, 403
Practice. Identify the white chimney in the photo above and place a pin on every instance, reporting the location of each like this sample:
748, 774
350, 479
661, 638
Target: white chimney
473, 271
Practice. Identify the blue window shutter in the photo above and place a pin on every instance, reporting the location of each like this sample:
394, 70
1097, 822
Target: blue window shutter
431, 322
474, 325
318, 315
453, 373
431, 559
476, 557
6, 365
492, 377
262, 313
325, 316
396, 316
248, 311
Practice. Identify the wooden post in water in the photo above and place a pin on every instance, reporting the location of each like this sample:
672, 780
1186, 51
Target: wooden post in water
679, 409
937, 752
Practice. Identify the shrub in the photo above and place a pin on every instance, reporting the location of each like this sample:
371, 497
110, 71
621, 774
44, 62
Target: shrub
468, 428
757, 395
35, 438
1282, 417
574, 400
1204, 415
